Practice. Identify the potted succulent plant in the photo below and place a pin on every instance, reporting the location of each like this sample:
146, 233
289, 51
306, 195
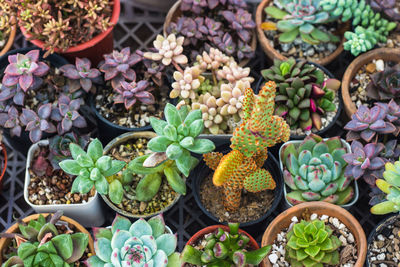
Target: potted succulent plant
314, 170
226, 25
53, 240
306, 97
8, 28
3, 159
242, 168
368, 73
220, 245
328, 234
143, 242
76, 30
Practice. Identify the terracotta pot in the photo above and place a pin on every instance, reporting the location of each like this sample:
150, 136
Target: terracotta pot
115, 142
175, 12
3, 171
272, 53
387, 54
11, 38
94, 49
192, 241
4, 242
321, 208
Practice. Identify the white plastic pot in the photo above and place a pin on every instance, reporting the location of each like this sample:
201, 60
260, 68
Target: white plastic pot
88, 214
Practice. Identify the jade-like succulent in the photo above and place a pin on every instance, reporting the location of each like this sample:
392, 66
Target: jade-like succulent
385, 85
225, 249
312, 243
40, 244
94, 169
142, 243
314, 170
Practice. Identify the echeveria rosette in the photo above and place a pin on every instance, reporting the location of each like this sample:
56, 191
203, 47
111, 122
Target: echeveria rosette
11, 120
14, 92
314, 171
392, 110
129, 93
143, 243
93, 169
81, 75
24, 70
385, 85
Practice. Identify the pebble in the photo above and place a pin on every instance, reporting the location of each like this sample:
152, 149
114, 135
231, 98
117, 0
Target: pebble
314, 216
371, 67
273, 258
381, 256
294, 219
380, 65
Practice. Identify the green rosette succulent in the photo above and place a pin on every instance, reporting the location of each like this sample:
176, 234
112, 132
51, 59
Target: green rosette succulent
314, 171
312, 244
94, 169
143, 243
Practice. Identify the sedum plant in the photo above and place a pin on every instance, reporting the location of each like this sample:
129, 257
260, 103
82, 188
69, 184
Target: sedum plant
314, 171
385, 85
7, 13
312, 243
225, 249
40, 244
94, 170
142, 243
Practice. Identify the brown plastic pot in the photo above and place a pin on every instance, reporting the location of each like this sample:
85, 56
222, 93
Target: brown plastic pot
11, 38
175, 12
4, 242
193, 240
321, 208
387, 54
3, 171
94, 49
272, 53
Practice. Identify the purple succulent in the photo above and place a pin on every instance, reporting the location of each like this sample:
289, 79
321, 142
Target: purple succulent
24, 70
387, 7
155, 71
35, 124
364, 161
241, 21
81, 75
195, 6
392, 111
385, 85
244, 50
117, 66
67, 113
15, 92
213, 27
391, 151
367, 123
129, 93
11, 120
225, 44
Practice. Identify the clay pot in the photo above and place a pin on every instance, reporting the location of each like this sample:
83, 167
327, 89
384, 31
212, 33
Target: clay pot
11, 38
272, 53
3, 171
192, 241
94, 49
175, 12
321, 208
4, 242
386, 54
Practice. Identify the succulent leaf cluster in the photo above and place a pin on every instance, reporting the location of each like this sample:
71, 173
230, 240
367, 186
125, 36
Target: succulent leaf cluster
387, 7
312, 243
225, 248
169, 50
303, 94
385, 85
94, 169
314, 171
7, 13
43, 245
142, 243
81, 75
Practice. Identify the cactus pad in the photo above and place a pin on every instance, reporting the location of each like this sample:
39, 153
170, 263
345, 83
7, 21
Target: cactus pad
258, 181
226, 167
212, 159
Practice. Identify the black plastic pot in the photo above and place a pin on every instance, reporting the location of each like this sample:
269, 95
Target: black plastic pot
202, 171
325, 130
23, 143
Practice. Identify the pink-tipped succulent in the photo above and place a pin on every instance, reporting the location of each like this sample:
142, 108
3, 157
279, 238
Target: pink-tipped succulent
169, 50
392, 110
24, 70
129, 93
37, 123
81, 75
11, 120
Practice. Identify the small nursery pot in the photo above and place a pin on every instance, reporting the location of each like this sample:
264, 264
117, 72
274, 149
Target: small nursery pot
11, 37
321, 208
94, 49
272, 53
192, 241
202, 171
387, 54
345, 206
3, 171
4, 242
88, 214
115, 142
175, 12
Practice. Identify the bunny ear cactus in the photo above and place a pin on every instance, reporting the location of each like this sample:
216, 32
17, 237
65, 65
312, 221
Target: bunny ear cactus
242, 167
312, 244
94, 169
314, 170
143, 243
225, 249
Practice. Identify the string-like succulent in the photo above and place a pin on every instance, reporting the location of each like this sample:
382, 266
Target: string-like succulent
314, 170
385, 85
225, 249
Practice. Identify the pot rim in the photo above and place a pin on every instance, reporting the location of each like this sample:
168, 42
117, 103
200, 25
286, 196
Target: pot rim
11, 37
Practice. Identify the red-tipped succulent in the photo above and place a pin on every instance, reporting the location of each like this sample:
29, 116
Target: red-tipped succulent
37, 123
129, 93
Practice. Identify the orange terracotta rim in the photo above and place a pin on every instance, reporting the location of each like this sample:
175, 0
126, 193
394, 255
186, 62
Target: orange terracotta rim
174, 13
210, 229
14, 228
273, 53
321, 208
11, 38
95, 40
388, 54
4, 150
